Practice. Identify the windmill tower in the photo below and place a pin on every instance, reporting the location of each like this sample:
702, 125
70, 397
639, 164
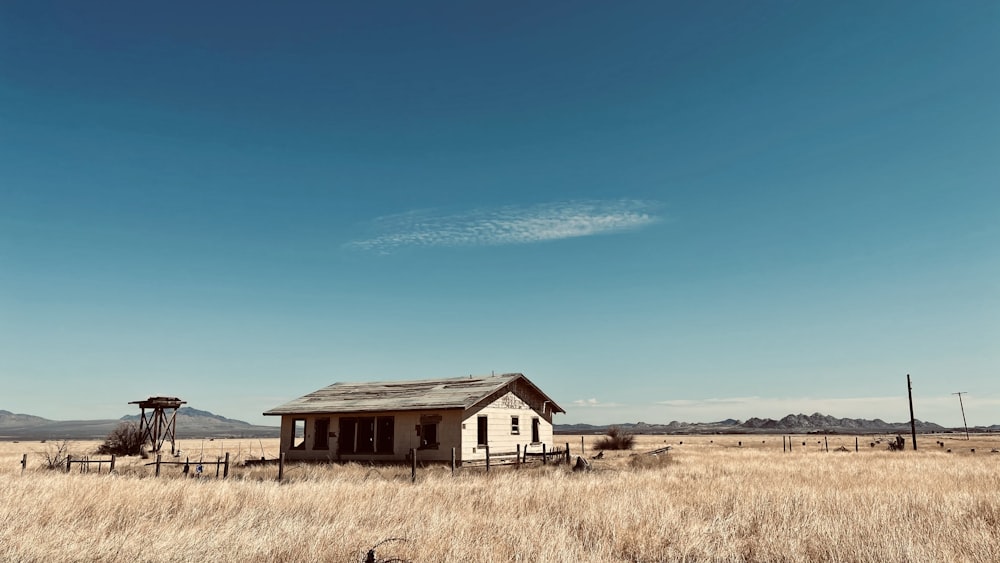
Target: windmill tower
157, 427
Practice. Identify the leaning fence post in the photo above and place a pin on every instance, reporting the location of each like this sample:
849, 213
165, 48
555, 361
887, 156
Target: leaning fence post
281, 466
112, 468
487, 459
453, 461
413, 465
158, 456
24, 462
826, 444
517, 460
545, 458
225, 472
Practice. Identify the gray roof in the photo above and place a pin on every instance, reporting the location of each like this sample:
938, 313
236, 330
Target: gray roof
380, 396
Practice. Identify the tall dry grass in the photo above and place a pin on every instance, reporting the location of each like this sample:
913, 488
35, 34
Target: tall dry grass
708, 500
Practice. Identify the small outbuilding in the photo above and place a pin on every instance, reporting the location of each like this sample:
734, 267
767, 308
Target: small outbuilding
382, 421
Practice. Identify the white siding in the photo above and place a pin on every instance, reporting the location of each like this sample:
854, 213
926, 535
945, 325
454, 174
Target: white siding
500, 437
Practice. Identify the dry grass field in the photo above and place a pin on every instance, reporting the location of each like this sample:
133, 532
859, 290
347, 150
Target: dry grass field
710, 499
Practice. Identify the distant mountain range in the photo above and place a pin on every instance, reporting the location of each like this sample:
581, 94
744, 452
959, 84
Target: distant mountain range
194, 423
191, 423
791, 424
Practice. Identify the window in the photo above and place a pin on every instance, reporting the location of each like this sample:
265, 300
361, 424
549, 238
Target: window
428, 432
298, 434
481, 431
321, 440
428, 436
384, 434
366, 435
534, 431
515, 427
365, 441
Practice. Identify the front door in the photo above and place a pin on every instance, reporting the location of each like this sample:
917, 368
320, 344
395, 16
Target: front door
481, 431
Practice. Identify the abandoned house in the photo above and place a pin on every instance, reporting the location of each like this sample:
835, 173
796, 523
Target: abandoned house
382, 421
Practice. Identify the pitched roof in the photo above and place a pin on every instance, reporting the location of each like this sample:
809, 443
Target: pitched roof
449, 393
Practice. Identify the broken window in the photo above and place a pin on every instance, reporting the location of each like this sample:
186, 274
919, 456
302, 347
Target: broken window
366, 435
345, 441
384, 434
298, 434
535, 430
321, 440
365, 442
429, 432
515, 426
428, 436
481, 431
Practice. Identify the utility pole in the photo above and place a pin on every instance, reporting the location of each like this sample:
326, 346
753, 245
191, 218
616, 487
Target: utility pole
966, 424
913, 422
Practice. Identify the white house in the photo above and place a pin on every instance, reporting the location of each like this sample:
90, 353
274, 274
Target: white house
382, 421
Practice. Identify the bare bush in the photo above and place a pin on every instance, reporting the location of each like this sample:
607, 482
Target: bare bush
125, 439
55, 454
615, 438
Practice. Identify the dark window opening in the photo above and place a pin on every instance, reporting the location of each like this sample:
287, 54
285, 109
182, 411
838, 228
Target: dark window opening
534, 430
482, 434
321, 441
428, 436
515, 426
366, 435
384, 434
365, 443
429, 431
298, 434
345, 442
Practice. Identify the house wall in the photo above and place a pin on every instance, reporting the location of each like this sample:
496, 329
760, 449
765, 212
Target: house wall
405, 436
500, 436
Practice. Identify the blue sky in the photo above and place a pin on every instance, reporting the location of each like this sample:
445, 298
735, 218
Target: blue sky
659, 211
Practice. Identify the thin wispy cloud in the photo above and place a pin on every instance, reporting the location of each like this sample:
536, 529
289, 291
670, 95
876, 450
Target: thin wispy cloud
593, 403
507, 225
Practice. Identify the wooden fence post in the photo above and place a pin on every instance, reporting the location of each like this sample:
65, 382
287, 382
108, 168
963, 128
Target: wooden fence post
158, 456
225, 472
826, 444
281, 466
453, 461
112, 468
69, 460
855, 443
24, 463
218, 462
517, 460
487, 459
567, 452
545, 457
413, 465
583, 451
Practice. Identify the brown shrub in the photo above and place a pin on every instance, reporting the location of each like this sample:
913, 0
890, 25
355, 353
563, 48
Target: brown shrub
125, 439
615, 438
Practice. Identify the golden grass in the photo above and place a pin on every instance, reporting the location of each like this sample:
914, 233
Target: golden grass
710, 499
